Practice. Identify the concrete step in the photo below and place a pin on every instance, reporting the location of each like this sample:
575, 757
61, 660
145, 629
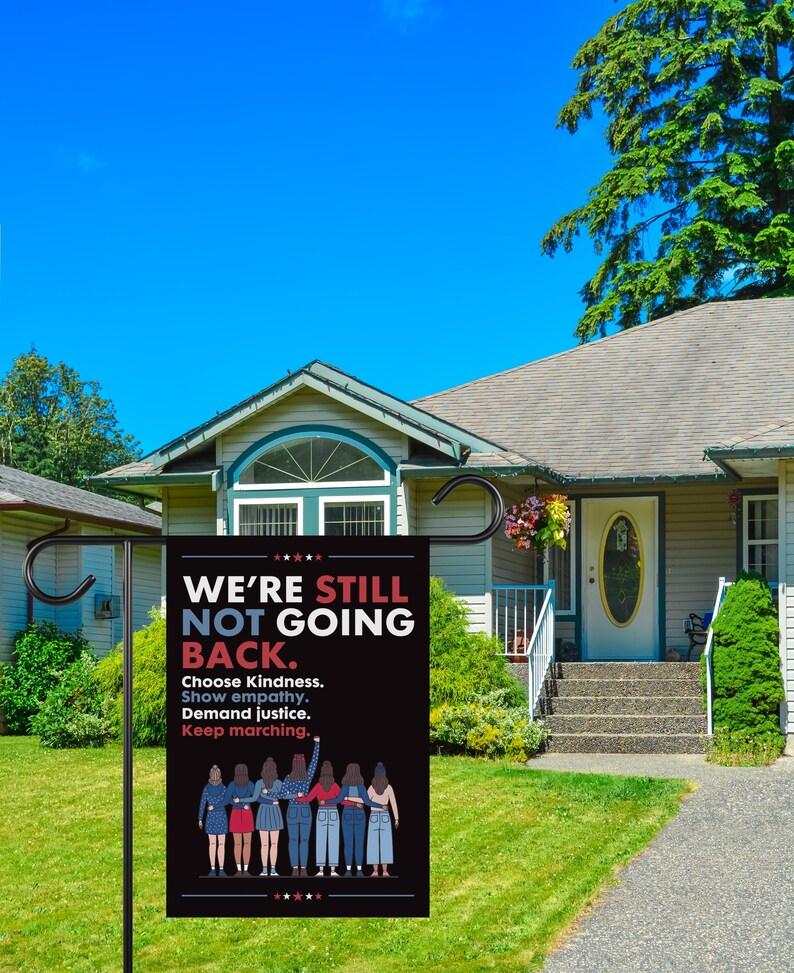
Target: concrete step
624, 743
634, 725
625, 705
558, 688
627, 670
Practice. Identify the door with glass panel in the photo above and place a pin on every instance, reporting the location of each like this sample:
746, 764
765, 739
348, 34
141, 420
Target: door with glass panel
620, 610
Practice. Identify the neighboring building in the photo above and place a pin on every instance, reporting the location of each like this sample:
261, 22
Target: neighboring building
646, 431
32, 507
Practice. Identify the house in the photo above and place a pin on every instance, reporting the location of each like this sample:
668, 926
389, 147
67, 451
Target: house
647, 432
32, 507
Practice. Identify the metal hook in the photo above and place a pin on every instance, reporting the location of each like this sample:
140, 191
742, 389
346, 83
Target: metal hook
27, 573
36, 547
498, 510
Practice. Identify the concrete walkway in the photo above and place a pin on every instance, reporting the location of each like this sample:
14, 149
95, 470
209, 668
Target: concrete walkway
712, 893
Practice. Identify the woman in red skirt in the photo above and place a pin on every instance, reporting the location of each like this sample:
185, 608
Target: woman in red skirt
240, 794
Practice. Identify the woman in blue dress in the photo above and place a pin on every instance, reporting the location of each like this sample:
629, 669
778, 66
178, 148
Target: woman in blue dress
216, 827
269, 822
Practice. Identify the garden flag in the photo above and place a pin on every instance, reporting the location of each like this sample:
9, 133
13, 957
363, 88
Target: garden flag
297, 776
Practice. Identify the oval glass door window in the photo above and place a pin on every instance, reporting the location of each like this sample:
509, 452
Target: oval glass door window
621, 569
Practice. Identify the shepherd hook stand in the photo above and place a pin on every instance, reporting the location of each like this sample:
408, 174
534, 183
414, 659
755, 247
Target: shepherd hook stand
127, 544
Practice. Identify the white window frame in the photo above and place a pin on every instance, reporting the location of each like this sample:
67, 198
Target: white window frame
384, 498
566, 612
265, 502
746, 542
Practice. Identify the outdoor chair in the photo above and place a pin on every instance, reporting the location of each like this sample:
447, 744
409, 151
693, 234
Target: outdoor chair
697, 628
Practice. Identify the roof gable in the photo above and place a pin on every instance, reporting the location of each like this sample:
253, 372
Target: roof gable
445, 437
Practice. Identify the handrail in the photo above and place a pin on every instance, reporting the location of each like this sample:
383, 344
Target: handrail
540, 653
722, 588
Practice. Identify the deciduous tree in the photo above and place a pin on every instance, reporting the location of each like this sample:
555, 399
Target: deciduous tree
54, 424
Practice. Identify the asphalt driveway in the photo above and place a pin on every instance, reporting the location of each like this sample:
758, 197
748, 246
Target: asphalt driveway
712, 893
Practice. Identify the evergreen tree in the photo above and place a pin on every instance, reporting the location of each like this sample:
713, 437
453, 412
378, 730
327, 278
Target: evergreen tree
699, 103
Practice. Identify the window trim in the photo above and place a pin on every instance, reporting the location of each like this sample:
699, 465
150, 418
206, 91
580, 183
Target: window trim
747, 498
250, 455
360, 498
267, 502
572, 549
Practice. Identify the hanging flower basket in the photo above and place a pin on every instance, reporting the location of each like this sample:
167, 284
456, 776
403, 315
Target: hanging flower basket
734, 502
539, 522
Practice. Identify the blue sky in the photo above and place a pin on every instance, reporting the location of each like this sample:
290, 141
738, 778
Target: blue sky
195, 198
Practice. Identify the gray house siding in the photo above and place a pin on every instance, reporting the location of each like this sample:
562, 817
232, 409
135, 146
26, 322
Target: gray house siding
59, 569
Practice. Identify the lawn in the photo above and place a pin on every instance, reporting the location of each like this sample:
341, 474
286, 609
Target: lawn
510, 869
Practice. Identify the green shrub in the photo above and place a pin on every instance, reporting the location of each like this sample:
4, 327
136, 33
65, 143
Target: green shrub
487, 727
148, 698
463, 664
74, 713
41, 653
732, 748
748, 685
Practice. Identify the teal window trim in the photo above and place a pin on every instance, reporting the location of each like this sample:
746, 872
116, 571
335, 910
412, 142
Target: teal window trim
305, 431
308, 496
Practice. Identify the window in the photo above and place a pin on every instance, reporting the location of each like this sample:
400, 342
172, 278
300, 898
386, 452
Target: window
559, 565
268, 519
760, 535
353, 517
313, 461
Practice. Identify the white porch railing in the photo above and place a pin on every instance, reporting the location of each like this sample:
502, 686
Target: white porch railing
524, 624
722, 588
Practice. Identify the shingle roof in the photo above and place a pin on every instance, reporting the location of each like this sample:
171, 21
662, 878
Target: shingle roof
24, 490
644, 402
779, 435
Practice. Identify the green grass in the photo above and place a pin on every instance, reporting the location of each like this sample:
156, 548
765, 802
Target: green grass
515, 855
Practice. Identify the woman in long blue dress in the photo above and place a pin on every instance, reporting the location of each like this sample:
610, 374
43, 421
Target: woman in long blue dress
216, 826
269, 822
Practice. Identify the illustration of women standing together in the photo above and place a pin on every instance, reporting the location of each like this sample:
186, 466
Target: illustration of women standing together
340, 812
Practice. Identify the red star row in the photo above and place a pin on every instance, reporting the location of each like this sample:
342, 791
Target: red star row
297, 896
297, 557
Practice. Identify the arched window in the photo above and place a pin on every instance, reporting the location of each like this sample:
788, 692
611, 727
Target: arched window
313, 460
318, 481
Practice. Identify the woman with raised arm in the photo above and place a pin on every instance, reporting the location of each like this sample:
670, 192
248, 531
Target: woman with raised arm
299, 815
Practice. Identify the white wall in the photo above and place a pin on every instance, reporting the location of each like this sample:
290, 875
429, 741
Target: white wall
786, 510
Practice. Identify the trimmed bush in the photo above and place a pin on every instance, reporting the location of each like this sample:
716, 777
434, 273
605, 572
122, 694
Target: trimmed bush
74, 714
148, 702
41, 653
748, 685
487, 727
463, 664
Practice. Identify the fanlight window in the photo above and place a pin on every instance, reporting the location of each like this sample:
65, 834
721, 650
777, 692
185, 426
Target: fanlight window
313, 459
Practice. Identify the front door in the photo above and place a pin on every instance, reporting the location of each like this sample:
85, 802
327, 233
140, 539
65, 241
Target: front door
620, 618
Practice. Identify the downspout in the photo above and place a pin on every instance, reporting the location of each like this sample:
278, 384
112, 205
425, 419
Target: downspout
58, 530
